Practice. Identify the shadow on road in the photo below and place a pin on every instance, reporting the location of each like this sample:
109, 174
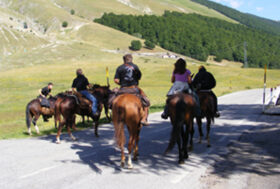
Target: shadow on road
250, 144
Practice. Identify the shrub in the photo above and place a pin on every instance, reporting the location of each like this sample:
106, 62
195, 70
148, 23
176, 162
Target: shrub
72, 12
64, 24
136, 45
149, 44
25, 25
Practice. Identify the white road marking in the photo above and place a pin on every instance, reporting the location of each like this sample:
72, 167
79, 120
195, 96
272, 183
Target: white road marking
39, 171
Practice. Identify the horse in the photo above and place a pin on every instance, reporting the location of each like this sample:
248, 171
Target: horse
34, 110
67, 107
127, 110
207, 111
82, 107
182, 111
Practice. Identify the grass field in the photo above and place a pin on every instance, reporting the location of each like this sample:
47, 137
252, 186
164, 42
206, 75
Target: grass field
18, 90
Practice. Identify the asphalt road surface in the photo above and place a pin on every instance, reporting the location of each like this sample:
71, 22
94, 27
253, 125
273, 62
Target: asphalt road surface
245, 153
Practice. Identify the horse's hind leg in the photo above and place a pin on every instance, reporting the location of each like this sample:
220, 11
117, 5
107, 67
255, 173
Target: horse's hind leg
34, 121
135, 151
199, 125
130, 147
208, 132
69, 124
191, 131
61, 124
184, 135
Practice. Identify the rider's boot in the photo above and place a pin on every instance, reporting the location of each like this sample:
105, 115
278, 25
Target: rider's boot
144, 120
165, 115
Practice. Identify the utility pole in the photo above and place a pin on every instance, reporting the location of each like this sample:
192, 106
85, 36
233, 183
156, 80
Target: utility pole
245, 55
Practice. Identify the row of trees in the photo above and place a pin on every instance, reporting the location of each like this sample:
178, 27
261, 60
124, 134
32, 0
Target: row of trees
249, 20
199, 36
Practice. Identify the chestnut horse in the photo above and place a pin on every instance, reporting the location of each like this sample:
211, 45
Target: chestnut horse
127, 110
207, 111
182, 112
34, 110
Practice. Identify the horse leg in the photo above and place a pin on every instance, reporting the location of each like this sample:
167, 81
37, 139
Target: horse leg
61, 124
95, 124
199, 125
208, 131
135, 150
191, 130
34, 121
74, 124
69, 124
130, 147
181, 151
184, 134
83, 118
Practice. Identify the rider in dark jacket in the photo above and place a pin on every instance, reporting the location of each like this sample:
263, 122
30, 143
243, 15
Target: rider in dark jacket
43, 94
128, 76
205, 81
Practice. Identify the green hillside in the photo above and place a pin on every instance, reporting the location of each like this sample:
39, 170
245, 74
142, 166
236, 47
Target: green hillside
249, 20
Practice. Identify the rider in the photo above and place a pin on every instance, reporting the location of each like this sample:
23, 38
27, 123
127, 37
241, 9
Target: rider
80, 84
128, 76
181, 79
205, 81
43, 94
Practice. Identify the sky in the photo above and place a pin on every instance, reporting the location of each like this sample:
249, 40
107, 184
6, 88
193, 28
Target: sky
263, 8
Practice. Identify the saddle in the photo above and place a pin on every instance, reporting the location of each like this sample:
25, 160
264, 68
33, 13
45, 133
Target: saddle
135, 91
44, 102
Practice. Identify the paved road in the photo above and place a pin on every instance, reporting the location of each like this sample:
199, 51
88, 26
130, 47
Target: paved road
237, 158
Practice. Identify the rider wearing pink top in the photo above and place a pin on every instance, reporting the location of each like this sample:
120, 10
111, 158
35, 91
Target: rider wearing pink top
185, 77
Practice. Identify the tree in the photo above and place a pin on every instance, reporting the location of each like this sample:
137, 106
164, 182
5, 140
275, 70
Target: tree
72, 11
64, 24
149, 44
136, 45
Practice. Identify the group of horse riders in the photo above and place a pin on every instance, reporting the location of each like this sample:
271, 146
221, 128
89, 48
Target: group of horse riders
128, 75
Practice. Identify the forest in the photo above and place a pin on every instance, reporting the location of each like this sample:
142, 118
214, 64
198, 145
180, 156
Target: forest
198, 36
249, 20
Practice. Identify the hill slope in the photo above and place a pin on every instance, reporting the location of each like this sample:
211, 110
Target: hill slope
249, 20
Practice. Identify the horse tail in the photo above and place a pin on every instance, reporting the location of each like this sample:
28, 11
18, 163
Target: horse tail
118, 119
177, 122
28, 116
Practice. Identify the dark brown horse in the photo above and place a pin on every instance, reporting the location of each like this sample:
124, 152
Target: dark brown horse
70, 104
127, 110
34, 110
207, 111
182, 112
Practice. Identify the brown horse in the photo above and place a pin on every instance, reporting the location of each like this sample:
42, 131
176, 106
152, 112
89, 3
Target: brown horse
67, 107
182, 112
34, 110
127, 110
82, 107
207, 111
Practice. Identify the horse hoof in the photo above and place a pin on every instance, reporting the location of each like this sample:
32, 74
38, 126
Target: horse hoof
97, 135
130, 166
181, 162
209, 145
58, 142
186, 156
190, 148
135, 158
122, 164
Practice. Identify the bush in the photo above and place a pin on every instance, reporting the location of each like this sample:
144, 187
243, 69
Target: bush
149, 44
72, 12
64, 24
25, 25
136, 45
